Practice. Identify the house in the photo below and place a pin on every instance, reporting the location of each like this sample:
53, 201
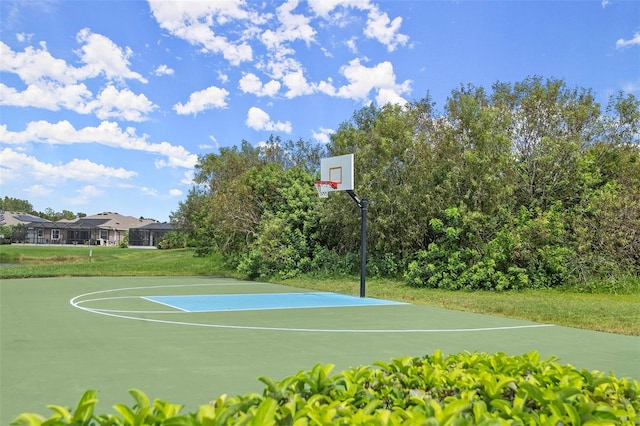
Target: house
148, 235
18, 221
16, 218
101, 229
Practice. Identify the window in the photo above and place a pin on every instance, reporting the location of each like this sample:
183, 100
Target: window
55, 234
104, 234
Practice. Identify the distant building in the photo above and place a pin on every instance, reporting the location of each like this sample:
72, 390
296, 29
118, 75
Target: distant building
148, 235
100, 229
15, 218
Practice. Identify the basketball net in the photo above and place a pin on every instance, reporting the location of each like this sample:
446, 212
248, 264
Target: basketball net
324, 187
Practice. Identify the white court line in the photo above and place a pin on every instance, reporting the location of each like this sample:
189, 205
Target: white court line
164, 304
127, 311
75, 302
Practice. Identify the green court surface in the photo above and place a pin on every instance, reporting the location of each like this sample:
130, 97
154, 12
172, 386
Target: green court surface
167, 337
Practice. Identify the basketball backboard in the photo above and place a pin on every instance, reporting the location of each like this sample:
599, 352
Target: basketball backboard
338, 169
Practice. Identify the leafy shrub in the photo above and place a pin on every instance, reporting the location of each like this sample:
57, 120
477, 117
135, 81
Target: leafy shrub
279, 250
330, 262
387, 265
124, 243
5, 234
459, 389
173, 240
528, 251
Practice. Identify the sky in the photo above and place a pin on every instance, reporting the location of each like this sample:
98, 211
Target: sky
107, 105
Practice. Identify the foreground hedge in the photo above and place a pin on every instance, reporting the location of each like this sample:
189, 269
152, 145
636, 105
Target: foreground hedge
459, 389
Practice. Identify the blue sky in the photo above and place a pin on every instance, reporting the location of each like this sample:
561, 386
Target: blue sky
106, 105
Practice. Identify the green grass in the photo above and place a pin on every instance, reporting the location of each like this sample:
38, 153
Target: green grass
51, 261
614, 313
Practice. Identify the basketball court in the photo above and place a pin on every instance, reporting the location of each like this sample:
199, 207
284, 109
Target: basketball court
190, 339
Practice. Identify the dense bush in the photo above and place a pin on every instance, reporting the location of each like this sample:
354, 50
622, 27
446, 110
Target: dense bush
124, 243
173, 240
5, 234
459, 389
529, 251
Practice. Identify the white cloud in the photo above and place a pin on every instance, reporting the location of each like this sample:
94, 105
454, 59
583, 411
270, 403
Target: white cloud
250, 83
149, 191
279, 65
103, 56
297, 85
164, 70
632, 86
257, 119
110, 103
194, 21
621, 43
107, 133
98, 54
385, 30
76, 169
389, 96
381, 78
24, 37
211, 97
175, 192
86, 194
292, 27
224, 78
325, 7
351, 44
35, 65
48, 95
52, 84
122, 104
189, 175
38, 190
323, 135
379, 26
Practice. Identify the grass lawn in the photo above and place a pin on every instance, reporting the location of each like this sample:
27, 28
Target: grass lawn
52, 261
615, 313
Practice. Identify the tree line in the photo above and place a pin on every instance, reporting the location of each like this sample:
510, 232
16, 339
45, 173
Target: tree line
10, 204
528, 185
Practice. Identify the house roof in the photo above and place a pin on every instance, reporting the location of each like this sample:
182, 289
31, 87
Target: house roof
17, 218
105, 220
109, 220
157, 226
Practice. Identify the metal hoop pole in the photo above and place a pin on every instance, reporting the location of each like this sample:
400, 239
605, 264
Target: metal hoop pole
363, 204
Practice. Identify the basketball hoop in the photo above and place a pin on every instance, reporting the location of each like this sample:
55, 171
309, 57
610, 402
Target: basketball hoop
324, 187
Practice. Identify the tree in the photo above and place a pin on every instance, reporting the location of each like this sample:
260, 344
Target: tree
235, 187
67, 214
10, 204
607, 221
389, 149
550, 126
286, 238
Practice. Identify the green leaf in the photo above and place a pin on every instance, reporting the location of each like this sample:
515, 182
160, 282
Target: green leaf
142, 401
127, 414
28, 419
166, 410
265, 414
84, 411
62, 412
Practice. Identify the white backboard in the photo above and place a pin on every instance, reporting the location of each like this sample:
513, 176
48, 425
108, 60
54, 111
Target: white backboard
338, 169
